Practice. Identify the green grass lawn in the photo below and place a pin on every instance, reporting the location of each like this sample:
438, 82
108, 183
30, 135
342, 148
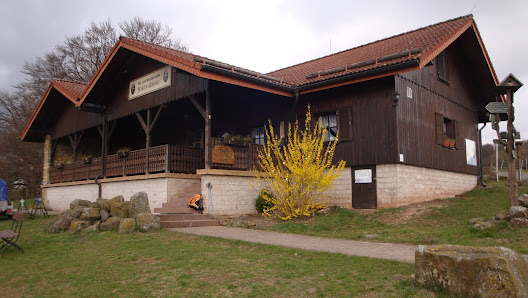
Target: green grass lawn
447, 224
166, 263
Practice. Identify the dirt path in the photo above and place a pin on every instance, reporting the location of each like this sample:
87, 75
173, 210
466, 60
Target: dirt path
389, 251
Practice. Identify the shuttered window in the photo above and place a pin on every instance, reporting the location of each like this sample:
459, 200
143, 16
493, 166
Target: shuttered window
442, 67
344, 116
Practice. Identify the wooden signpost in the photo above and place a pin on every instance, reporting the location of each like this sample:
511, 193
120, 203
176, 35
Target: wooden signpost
507, 87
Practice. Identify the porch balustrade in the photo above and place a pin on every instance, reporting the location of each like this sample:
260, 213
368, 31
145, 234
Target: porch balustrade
162, 159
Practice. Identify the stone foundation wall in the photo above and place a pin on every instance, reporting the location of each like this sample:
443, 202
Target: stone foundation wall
341, 193
232, 194
399, 184
158, 187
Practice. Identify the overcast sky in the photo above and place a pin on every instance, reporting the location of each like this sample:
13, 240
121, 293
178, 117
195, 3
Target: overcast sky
268, 35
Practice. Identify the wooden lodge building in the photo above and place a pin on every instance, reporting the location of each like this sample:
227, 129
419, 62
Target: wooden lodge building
407, 109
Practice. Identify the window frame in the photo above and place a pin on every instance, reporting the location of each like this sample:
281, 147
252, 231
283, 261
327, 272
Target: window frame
331, 137
260, 136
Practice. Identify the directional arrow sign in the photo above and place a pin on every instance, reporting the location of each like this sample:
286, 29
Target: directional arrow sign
497, 107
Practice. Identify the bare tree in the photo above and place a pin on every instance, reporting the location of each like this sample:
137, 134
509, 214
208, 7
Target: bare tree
77, 59
151, 31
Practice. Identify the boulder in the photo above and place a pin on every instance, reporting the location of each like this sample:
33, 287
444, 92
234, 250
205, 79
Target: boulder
517, 212
77, 211
104, 215
148, 222
113, 203
502, 215
91, 214
79, 225
139, 204
519, 223
104, 204
65, 223
473, 271
485, 225
523, 200
110, 224
54, 227
122, 209
94, 227
127, 225
82, 203
476, 220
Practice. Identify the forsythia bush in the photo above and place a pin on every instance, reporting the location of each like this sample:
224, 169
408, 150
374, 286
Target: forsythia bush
296, 173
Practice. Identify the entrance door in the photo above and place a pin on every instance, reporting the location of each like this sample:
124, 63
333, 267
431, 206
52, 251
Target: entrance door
364, 191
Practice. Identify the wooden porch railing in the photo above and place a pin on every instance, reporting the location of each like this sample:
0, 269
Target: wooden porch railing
165, 158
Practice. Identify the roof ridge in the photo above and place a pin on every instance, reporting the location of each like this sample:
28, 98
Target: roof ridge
69, 81
153, 44
373, 42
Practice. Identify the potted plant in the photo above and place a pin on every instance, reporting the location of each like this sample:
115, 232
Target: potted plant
236, 139
123, 152
452, 143
86, 159
446, 141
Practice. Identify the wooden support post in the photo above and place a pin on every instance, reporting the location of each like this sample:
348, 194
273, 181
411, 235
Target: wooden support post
147, 127
250, 157
167, 158
207, 146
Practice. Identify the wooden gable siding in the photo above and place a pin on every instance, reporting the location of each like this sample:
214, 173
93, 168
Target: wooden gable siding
431, 97
368, 109
113, 93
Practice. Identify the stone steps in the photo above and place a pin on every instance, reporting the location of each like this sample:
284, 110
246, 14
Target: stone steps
174, 210
190, 223
176, 213
177, 217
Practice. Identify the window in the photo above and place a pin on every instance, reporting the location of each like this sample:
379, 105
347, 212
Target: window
442, 67
257, 135
329, 121
446, 129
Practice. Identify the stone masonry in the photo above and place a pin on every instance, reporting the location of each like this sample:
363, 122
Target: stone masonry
399, 184
159, 188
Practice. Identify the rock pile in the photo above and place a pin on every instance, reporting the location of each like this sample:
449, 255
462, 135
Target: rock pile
517, 216
107, 214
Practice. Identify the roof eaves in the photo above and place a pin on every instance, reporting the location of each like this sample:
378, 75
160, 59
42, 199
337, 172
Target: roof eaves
99, 71
485, 52
429, 55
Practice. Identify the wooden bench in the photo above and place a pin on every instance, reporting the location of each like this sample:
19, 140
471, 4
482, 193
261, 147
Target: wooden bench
10, 237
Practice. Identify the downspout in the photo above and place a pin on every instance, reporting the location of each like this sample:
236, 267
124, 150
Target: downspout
480, 155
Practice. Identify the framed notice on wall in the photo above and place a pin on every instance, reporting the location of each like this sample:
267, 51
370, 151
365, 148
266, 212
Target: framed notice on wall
363, 176
471, 152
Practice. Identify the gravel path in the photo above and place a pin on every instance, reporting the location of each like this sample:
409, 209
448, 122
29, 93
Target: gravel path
389, 251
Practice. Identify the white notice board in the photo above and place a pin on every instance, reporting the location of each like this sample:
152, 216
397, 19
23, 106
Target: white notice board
363, 176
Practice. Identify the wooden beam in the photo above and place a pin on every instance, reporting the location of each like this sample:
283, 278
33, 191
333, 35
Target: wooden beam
141, 121
198, 106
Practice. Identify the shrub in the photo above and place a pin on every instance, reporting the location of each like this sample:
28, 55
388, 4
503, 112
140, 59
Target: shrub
263, 201
297, 172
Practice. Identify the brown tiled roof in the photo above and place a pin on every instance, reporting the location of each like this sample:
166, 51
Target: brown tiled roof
426, 40
70, 88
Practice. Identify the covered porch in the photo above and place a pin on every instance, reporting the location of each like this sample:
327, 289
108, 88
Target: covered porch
159, 159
